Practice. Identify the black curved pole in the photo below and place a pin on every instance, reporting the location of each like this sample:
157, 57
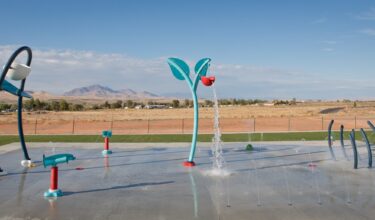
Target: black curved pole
21, 89
368, 145
330, 139
371, 126
355, 152
342, 142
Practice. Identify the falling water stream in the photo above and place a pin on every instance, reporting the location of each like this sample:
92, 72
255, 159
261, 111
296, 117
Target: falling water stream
217, 148
313, 173
218, 161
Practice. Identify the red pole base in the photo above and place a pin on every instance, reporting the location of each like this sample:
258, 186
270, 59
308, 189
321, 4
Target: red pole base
189, 164
54, 178
106, 143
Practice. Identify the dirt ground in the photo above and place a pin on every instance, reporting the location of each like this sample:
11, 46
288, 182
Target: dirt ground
301, 117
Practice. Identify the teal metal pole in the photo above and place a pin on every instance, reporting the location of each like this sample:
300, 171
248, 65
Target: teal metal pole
181, 71
195, 130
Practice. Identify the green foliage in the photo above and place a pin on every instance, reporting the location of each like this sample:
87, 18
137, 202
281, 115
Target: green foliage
117, 104
208, 103
29, 104
240, 101
175, 103
130, 104
186, 103
55, 106
64, 106
77, 107
5, 107
106, 105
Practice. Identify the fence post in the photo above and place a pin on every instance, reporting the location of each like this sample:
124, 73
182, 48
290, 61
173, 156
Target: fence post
182, 125
36, 124
254, 124
73, 125
148, 126
322, 123
289, 123
355, 122
112, 123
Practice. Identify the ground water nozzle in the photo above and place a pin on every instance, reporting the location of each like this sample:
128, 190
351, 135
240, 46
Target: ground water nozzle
208, 81
52, 161
106, 134
57, 159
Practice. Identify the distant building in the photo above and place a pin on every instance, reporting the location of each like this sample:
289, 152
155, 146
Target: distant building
156, 106
269, 104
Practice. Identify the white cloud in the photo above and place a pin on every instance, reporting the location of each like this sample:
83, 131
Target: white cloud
330, 42
369, 15
61, 70
368, 31
328, 49
319, 20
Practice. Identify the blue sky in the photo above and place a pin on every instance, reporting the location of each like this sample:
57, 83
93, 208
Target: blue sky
260, 49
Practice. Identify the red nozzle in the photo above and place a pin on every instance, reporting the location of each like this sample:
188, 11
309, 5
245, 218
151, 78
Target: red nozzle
208, 81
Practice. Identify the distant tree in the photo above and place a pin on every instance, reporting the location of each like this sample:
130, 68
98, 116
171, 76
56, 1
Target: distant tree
5, 107
38, 104
95, 107
293, 102
354, 104
130, 104
186, 103
234, 102
77, 107
117, 104
29, 104
242, 102
13, 107
64, 105
191, 103
208, 103
106, 105
175, 103
55, 106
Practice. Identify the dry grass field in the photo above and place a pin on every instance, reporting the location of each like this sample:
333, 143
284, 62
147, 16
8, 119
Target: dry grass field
300, 117
365, 109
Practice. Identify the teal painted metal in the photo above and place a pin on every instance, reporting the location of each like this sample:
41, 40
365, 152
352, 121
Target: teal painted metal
106, 152
330, 139
371, 126
355, 151
107, 133
342, 142
56, 159
53, 193
7, 86
182, 72
368, 145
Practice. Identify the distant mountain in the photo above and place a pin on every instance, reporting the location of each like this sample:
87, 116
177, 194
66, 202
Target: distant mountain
99, 91
94, 90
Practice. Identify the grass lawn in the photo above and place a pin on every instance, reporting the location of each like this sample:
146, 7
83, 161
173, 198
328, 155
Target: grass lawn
292, 136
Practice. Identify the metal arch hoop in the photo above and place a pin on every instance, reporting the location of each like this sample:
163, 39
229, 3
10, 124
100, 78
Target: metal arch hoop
21, 89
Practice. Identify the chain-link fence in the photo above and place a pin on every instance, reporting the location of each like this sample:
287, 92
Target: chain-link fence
182, 126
